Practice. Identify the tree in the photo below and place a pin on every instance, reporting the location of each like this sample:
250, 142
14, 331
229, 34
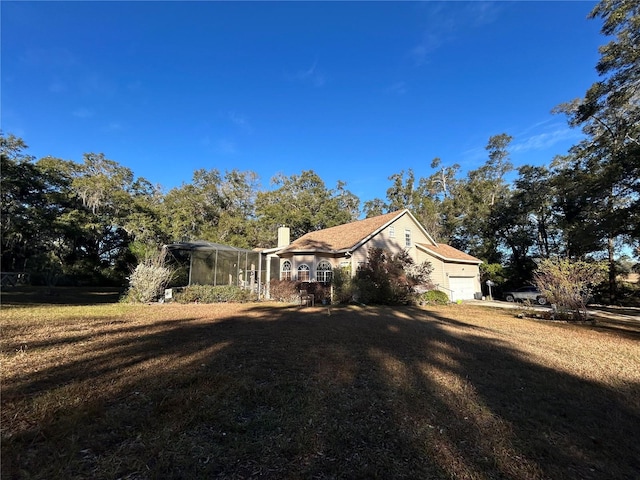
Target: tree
441, 182
513, 231
192, 211
442, 186
581, 234
77, 220
142, 220
490, 176
118, 209
406, 192
524, 221
474, 200
606, 164
304, 204
346, 200
402, 193
535, 192
23, 204
375, 207
237, 222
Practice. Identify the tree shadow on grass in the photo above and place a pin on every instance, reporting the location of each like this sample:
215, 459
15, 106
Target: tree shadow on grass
274, 392
27, 296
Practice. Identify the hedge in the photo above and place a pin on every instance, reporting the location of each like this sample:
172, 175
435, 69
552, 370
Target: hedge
213, 294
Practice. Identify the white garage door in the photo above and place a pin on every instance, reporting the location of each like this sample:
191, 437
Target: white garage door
463, 288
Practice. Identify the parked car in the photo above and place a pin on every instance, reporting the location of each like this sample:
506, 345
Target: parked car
529, 293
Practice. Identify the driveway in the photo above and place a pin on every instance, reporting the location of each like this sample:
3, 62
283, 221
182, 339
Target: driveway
625, 319
516, 305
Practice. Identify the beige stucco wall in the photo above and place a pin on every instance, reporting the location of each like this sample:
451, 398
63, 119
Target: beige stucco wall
438, 276
359, 257
311, 261
384, 240
397, 243
462, 270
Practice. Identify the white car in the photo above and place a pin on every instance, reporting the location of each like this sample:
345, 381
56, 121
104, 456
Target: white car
530, 293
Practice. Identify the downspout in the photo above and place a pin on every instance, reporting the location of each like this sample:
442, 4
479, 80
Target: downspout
190, 265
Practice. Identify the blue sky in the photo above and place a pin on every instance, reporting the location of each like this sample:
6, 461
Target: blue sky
355, 91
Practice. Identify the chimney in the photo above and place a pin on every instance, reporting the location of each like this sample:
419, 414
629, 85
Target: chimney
284, 234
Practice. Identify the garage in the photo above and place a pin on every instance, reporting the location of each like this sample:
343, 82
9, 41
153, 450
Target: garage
462, 288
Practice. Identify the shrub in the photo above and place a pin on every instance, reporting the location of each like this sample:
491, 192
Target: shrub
213, 294
419, 274
628, 294
390, 279
320, 291
283, 291
148, 279
568, 284
366, 291
434, 297
343, 285
289, 291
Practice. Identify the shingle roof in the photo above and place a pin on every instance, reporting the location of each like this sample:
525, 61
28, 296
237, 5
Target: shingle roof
449, 253
341, 237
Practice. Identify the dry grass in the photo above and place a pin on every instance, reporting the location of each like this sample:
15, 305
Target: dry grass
268, 391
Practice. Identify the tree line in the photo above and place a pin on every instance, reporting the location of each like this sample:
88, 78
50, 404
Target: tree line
91, 221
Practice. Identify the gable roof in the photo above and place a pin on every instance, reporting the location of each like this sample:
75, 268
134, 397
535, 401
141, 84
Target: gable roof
447, 252
349, 236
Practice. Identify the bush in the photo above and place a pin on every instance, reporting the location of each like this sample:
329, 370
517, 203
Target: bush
289, 291
390, 279
148, 279
628, 294
283, 291
366, 291
343, 285
568, 284
320, 291
434, 297
213, 294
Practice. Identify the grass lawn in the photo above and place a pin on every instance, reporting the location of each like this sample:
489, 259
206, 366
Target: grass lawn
269, 391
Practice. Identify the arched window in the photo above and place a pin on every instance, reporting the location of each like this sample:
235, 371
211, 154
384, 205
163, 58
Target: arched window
285, 274
303, 273
324, 272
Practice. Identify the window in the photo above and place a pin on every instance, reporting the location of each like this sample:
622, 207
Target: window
407, 238
324, 272
392, 232
285, 274
303, 273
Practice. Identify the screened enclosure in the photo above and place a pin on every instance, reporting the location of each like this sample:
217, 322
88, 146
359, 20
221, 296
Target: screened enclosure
206, 263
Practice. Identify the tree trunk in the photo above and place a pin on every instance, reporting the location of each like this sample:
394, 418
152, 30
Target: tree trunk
612, 271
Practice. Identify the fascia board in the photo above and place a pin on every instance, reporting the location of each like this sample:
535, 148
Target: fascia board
448, 259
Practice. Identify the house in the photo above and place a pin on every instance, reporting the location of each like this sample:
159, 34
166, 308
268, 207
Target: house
312, 257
